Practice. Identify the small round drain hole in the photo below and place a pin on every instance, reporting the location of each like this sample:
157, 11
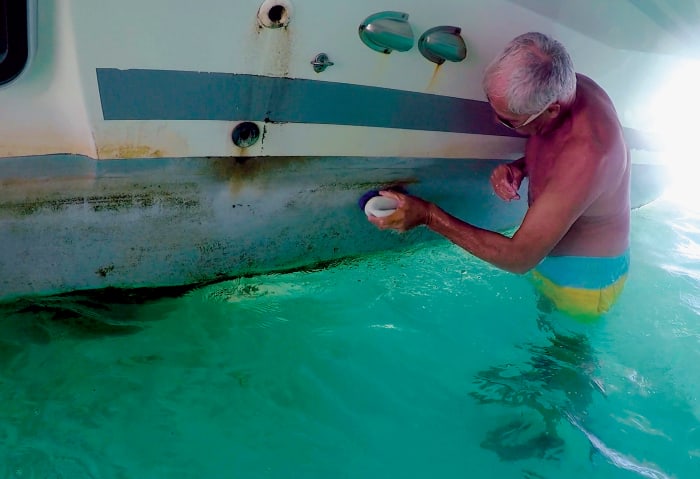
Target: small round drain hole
275, 13
245, 134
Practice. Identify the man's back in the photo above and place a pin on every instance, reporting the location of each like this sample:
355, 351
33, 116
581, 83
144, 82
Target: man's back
589, 140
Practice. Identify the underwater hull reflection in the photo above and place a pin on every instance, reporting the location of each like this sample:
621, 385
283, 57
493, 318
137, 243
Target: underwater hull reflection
70, 222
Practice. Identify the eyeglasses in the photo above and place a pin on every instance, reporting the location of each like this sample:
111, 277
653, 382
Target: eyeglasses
508, 124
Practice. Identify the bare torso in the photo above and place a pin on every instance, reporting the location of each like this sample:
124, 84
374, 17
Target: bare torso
603, 228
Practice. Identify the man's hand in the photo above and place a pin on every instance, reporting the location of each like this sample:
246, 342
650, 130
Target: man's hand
411, 211
506, 180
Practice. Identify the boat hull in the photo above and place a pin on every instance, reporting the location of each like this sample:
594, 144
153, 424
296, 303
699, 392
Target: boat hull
72, 222
143, 145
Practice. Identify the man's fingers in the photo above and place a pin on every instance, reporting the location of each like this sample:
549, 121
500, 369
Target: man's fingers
509, 174
391, 194
506, 191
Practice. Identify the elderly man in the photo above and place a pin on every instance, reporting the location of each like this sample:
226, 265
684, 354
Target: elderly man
575, 234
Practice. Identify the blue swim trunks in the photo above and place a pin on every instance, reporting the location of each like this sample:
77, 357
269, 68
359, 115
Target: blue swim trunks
582, 286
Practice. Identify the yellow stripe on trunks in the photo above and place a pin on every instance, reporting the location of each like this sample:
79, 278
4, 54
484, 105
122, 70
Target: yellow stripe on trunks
585, 287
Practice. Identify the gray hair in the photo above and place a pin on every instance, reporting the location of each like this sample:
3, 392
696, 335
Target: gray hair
537, 71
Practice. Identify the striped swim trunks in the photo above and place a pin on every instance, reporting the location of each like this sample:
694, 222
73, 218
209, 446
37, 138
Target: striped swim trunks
582, 286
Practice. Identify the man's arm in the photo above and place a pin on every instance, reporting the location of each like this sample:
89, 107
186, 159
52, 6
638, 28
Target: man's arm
520, 165
572, 187
495, 248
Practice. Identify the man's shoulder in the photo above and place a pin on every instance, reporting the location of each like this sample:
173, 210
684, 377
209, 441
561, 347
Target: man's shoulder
595, 153
595, 147
595, 126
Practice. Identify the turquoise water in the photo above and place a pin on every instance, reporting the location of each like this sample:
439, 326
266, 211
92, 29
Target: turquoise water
421, 363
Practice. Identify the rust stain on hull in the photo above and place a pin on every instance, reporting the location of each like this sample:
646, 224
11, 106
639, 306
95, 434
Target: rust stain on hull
271, 173
261, 172
117, 140
269, 50
434, 78
129, 151
278, 51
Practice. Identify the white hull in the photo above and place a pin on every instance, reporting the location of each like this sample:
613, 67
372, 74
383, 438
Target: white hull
119, 167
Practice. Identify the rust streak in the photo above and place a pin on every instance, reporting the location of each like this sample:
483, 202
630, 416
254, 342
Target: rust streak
139, 140
129, 151
434, 78
243, 171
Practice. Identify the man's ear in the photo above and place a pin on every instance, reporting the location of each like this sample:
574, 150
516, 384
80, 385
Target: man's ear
553, 111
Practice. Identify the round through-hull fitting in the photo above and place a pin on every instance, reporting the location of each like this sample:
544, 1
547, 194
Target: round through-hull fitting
275, 13
245, 134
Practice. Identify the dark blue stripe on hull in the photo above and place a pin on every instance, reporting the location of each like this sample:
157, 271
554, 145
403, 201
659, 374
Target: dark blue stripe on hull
182, 95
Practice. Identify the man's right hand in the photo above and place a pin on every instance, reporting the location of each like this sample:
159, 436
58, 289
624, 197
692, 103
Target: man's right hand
411, 211
506, 180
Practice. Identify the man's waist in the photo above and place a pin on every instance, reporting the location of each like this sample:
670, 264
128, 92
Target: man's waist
589, 272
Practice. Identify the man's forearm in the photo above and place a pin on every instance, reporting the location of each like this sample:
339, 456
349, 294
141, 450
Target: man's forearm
490, 246
519, 164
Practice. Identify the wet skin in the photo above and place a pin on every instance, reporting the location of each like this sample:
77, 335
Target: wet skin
579, 171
